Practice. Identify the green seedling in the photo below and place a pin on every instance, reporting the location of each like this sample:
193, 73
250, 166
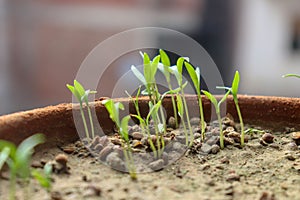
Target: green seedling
18, 160
217, 106
44, 178
122, 126
291, 75
82, 96
136, 106
234, 91
180, 98
148, 78
153, 110
195, 76
165, 69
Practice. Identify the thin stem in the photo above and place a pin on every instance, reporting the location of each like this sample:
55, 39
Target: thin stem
12, 187
91, 121
241, 122
201, 116
221, 130
84, 122
174, 105
187, 118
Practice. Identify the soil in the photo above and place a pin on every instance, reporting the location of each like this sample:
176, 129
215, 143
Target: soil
267, 168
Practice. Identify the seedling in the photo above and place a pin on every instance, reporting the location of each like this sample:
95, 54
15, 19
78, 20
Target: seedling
82, 96
122, 126
44, 178
217, 106
153, 110
18, 160
165, 69
234, 91
181, 101
195, 76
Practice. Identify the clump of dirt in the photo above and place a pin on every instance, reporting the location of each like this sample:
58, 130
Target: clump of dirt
267, 168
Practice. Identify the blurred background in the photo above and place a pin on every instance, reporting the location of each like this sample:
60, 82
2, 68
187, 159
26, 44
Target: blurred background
43, 43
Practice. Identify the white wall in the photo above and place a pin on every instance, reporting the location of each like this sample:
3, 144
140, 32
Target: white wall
262, 53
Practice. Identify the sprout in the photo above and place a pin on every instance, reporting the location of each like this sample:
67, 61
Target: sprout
82, 96
44, 178
217, 106
234, 91
122, 126
165, 69
195, 76
18, 160
181, 101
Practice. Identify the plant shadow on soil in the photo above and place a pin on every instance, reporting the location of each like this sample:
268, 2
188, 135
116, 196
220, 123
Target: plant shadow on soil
262, 170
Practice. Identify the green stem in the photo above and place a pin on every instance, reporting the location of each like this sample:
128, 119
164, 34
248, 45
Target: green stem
187, 118
12, 187
221, 130
174, 105
84, 122
241, 122
91, 121
201, 117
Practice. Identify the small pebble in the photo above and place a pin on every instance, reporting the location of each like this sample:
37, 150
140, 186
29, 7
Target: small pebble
137, 135
213, 140
215, 149
225, 160
157, 165
296, 137
115, 161
105, 151
172, 122
104, 141
116, 141
92, 190
233, 177
177, 146
292, 146
206, 148
290, 157
268, 138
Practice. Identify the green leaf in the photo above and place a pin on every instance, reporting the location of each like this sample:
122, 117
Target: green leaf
211, 98
179, 65
193, 74
154, 66
24, 152
74, 92
4, 154
6, 144
147, 68
291, 75
79, 88
164, 58
153, 110
179, 105
235, 83
142, 121
124, 128
175, 72
138, 74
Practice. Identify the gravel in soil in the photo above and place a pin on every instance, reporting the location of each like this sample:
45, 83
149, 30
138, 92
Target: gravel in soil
267, 168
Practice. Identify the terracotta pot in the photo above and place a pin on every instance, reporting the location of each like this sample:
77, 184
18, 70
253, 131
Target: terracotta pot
57, 123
